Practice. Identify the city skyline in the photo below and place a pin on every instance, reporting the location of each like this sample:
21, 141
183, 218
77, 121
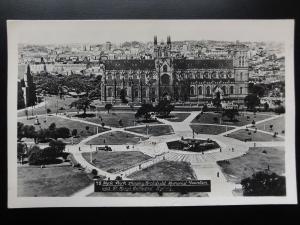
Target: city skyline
117, 31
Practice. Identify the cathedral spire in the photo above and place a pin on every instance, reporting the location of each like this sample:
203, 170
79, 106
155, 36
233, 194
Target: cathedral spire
155, 40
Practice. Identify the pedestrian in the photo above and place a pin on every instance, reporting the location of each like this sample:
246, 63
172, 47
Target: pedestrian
232, 149
79, 148
220, 149
218, 174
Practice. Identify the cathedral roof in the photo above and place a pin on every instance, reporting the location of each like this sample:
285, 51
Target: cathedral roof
129, 64
203, 64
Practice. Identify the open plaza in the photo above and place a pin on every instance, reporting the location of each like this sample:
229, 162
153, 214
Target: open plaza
142, 151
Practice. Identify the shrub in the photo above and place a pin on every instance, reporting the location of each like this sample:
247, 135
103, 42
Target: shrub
62, 132
279, 110
264, 183
74, 132
94, 172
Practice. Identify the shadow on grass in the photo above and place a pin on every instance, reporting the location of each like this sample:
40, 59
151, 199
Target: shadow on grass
87, 115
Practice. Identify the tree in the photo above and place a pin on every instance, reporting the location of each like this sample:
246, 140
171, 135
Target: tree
123, 96
74, 132
205, 108
251, 101
217, 100
57, 147
279, 110
20, 132
62, 132
230, 113
108, 107
264, 183
29, 131
36, 156
257, 89
266, 106
21, 151
21, 102
144, 111
164, 108
82, 104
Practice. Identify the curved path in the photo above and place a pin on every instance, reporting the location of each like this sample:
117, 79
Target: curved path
204, 165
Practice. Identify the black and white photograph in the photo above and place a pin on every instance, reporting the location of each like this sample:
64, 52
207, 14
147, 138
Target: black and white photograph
150, 112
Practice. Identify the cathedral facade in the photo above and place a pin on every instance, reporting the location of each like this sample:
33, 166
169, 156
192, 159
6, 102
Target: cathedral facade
180, 80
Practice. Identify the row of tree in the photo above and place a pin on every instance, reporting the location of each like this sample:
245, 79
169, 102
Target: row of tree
38, 156
162, 109
42, 135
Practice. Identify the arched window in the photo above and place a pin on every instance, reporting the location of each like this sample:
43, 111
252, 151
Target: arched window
224, 90
144, 92
208, 90
165, 79
200, 90
241, 90
109, 92
231, 90
136, 93
118, 91
165, 68
241, 75
192, 91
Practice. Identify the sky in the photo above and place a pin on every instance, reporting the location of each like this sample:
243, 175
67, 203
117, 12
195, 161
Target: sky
118, 31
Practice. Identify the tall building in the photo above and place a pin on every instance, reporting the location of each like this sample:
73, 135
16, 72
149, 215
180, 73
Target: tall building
29, 89
108, 46
194, 80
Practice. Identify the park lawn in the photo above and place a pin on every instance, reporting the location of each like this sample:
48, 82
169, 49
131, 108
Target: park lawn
258, 136
165, 170
56, 181
210, 129
153, 130
256, 159
82, 132
241, 119
177, 117
278, 125
115, 138
54, 103
112, 119
116, 161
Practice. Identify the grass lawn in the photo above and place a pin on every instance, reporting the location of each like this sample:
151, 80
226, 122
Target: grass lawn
112, 119
153, 130
165, 170
61, 122
256, 159
116, 161
258, 136
177, 117
210, 129
58, 181
116, 138
241, 119
278, 125
53, 103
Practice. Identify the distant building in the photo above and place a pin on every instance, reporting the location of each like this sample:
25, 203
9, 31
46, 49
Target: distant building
108, 46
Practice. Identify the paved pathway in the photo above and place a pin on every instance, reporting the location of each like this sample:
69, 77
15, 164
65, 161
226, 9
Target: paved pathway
204, 165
